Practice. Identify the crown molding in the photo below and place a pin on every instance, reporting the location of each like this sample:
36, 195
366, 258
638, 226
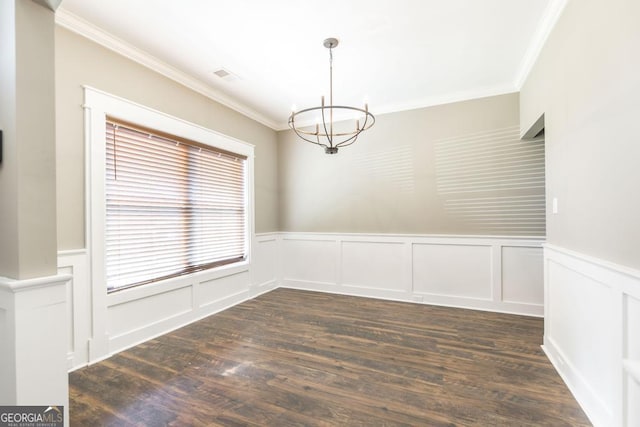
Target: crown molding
447, 99
549, 20
80, 26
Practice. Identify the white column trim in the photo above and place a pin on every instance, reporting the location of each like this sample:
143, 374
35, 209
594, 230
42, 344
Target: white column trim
21, 285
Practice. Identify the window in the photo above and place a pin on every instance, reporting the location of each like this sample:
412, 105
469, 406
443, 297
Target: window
173, 206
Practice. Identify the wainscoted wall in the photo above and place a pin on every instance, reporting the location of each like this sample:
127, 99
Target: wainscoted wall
591, 307
500, 274
487, 273
136, 315
592, 333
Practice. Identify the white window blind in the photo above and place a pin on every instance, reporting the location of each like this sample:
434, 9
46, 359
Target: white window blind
172, 206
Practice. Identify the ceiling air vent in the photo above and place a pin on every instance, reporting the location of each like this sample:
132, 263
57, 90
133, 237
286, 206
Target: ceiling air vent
225, 75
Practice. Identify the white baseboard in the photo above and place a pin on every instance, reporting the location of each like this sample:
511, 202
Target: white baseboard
588, 398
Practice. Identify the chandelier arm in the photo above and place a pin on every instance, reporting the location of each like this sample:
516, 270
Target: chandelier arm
300, 132
324, 125
312, 141
355, 135
302, 136
353, 141
348, 141
366, 119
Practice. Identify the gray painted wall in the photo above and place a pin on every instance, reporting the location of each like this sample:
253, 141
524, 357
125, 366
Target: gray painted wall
81, 62
407, 175
586, 82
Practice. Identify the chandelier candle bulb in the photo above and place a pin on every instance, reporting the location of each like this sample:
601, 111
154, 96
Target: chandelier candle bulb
329, 139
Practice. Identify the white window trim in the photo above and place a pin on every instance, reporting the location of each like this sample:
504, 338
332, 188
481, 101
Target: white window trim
97, 106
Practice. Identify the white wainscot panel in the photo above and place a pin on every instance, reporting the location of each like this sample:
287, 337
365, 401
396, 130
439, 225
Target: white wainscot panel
452, 270
632, 359
592, 333
265, 259
378, 265
309, 260
71, 345
74, 263
137, 314
522, 275
632, 322
633, 403
223, 288
579, 325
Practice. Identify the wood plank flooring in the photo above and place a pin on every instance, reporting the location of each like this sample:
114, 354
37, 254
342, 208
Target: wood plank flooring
302, 358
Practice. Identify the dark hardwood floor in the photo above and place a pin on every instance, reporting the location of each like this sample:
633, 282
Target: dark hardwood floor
311, 359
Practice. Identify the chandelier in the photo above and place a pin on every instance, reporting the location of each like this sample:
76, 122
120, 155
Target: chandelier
324, 133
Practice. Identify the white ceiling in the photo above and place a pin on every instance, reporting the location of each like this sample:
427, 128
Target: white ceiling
396, 54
